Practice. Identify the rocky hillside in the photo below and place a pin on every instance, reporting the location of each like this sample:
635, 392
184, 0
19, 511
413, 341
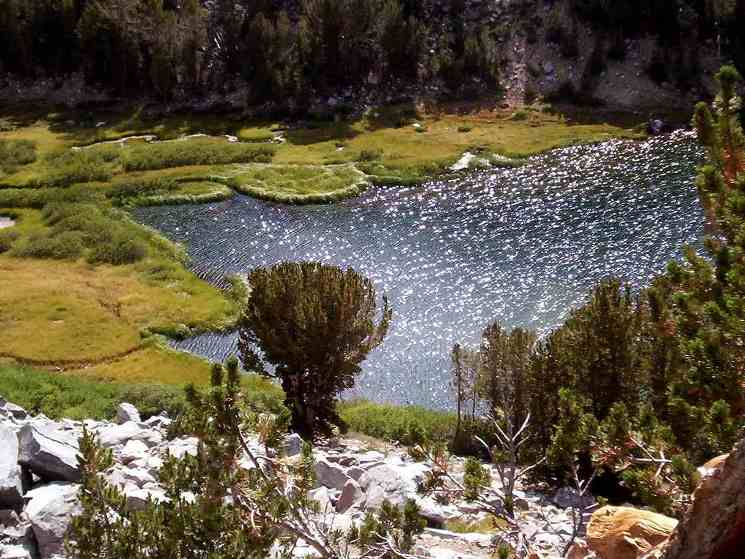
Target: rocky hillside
295, 56
39, 481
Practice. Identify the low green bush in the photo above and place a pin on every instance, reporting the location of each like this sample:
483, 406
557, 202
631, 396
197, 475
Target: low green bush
7, 238
193, 152
16, 153
72, 167
57, 395
125, 192
255, 136
370, 155
67, 245
406, 424
118, 247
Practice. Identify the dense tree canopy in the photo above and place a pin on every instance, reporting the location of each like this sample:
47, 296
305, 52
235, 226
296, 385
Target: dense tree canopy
314, 324
288, 48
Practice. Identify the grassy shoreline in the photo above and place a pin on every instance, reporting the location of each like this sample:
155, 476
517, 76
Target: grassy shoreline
100, 286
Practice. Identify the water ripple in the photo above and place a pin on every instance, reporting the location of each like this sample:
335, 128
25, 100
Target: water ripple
520, 245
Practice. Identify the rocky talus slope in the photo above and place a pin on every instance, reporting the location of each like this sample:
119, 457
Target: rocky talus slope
39, 483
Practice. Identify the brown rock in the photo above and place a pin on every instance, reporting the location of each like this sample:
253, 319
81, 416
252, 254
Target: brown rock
712, 465
626, 533
579, 550
714, 526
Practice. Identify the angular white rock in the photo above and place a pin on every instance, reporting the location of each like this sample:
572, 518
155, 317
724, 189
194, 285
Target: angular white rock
11, 485
330, 475
50, 510
127, 412
50, 453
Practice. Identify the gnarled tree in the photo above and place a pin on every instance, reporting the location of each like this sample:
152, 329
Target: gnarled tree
315, 324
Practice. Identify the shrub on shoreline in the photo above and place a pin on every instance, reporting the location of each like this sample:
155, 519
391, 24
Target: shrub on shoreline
180, 153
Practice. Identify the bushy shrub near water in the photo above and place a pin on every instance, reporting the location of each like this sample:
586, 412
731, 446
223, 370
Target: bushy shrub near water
58, 396
71, 167
130, 191
192, 152
16, 153
406, 424
67, 245
7, 238
117, 248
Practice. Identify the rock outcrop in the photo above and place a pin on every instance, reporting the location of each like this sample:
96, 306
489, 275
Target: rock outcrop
50, 452
714, 525
626, 533
11, 485
39, 475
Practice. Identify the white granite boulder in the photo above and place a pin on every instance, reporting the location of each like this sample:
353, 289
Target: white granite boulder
11, 485
50, 509
49, 452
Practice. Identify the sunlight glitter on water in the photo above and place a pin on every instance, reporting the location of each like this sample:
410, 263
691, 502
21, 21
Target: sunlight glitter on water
519, 245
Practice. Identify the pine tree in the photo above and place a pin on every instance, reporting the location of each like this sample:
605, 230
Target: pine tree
315, 324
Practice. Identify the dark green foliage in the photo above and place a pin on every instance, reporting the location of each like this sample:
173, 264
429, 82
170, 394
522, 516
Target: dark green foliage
503, 371
117, 248
192, 152
7, 238
391, 522
129, 192
67, 245
314, 324
58, 396
15, 154
76, 229
181, 526
215, 502
409, 425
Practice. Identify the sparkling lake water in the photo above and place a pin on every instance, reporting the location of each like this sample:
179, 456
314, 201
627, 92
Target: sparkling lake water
522, 246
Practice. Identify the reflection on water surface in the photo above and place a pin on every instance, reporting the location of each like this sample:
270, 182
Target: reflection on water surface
520, 245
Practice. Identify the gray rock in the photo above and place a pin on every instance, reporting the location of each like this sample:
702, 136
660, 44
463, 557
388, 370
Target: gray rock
50, 510
437, 515
11, 485
567, 497
350, 494
322, 496
117, 435
158, 421
482, 540
13, 410
330, 475
186, 445
127, 412
50, 453
395, 483
355, 472
15, 531
293, 444
15, 552
133, 450
137, 498
136, 476
151, 464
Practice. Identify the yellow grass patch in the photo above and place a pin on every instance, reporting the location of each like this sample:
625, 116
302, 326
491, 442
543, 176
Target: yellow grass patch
71, 311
